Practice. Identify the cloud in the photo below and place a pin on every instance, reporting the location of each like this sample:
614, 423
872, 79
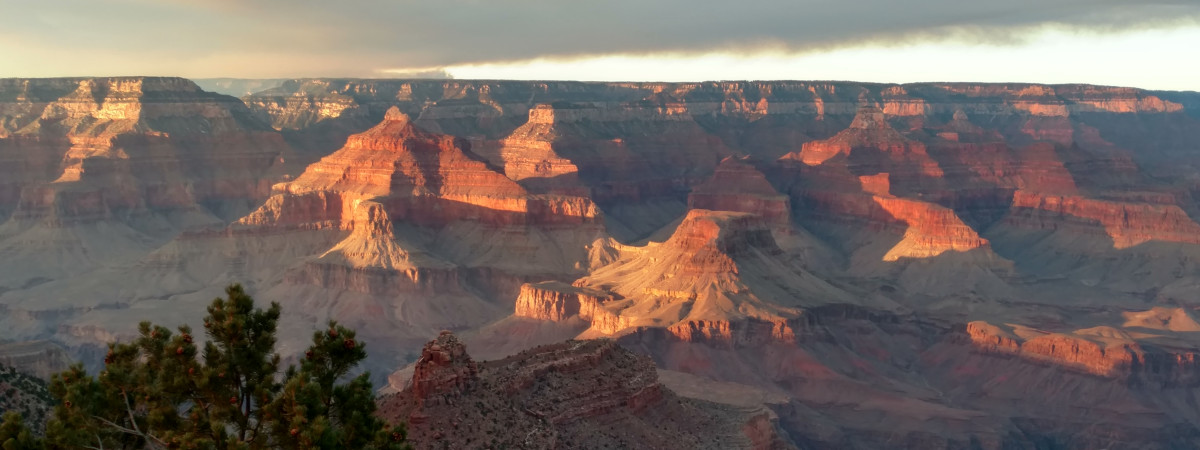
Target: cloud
363, 37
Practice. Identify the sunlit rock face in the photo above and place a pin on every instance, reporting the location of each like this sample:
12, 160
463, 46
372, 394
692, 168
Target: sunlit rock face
95, 172
421, 178
1126, 223
869, 266
719, 278
419, 230
1110, 352
170, 143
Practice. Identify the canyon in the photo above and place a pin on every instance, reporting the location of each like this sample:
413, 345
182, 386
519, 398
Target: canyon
784, 264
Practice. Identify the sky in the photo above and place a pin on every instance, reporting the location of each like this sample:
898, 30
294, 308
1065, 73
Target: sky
1150, 44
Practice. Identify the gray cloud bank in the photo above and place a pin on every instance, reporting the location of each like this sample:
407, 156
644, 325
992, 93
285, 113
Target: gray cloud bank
360, 37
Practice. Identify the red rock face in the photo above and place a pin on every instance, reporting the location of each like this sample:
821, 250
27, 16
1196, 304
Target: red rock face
612, 149
737, 186
989, 162
872, 146
871, 179
556, 302
529, 157
726, 333
924, 229
99, 172
105, 147
627, 157
444, 369
565, 395
428, 180
932, 230
720, 278
410, 230
1127, 224
396, 173
423, 178
1103, 351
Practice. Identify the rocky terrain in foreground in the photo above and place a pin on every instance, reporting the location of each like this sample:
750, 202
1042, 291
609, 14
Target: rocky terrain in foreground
931, 265
26, 395
575, 394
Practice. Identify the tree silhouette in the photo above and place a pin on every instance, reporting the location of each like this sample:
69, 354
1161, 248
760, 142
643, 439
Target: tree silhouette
161, 391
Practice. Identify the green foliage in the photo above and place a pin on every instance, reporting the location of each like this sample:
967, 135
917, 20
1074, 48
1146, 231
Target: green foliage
14, 435
161, 391
317, 413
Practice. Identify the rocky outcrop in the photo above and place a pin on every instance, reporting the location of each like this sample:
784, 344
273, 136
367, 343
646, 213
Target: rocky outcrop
720, 278
323, 112
736, 185
556, 301
629, 158
737, 333
1054, 100
871, 146
924, 229
27, 396
749, 99
444, 370
417, 177
111, 146
406, 228
931, 230
38, 358
98, 172
566, 395
371, 260
1163, 319
973, 157
1126, 224
1104, 351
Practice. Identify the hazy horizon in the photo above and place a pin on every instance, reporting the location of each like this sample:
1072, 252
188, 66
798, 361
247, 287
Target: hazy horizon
1106, 42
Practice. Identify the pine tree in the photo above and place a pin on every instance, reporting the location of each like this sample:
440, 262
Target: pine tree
14, 435
161, 391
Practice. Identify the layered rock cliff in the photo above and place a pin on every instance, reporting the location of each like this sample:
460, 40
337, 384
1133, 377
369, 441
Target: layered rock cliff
396, 173
870, 146
1126, 224
1104, 351
100, 170
408, 229
161, 142
833, 247
422, 178
736, 185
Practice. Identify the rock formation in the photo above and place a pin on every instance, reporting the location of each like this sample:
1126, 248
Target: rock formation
871, 146
576, 394
98, 172
719, 278
928, 265
738, 186
1104, 351
1126, 224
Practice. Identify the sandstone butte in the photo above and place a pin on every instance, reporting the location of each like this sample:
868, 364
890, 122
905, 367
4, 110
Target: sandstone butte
754, 264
